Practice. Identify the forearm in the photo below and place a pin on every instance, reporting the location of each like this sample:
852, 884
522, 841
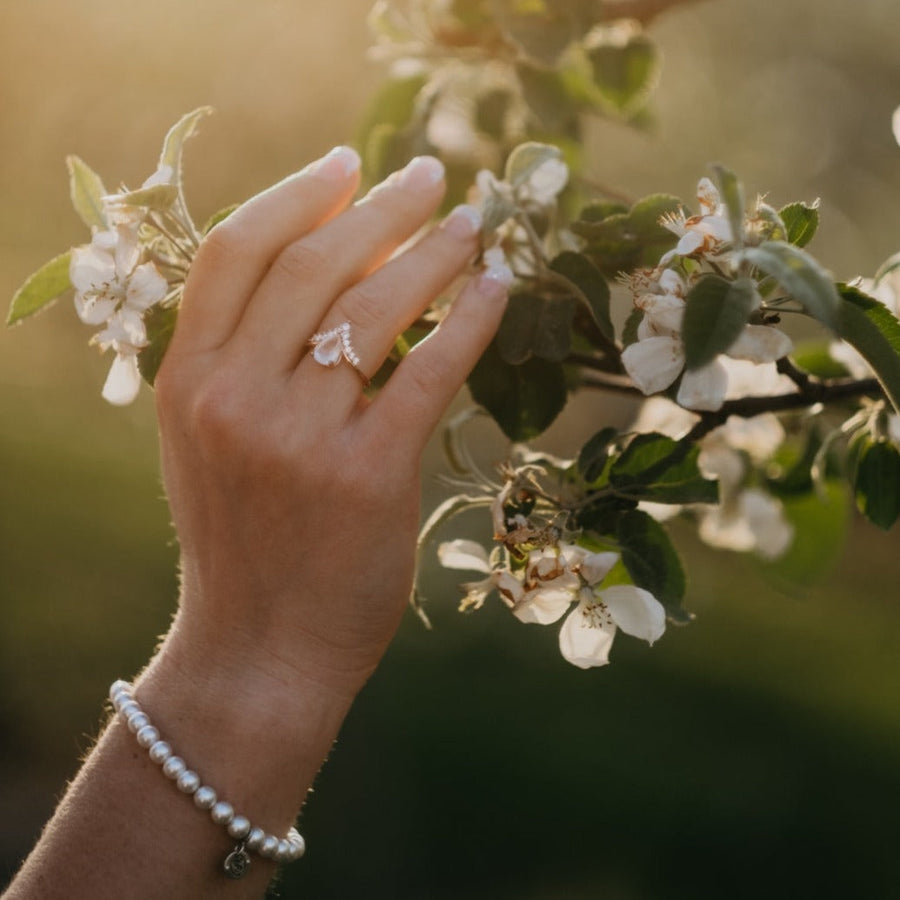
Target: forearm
124, 829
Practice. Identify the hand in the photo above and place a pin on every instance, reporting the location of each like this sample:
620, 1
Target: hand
295, 497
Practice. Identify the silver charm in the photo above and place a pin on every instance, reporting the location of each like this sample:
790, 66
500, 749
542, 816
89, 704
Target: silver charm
237, 863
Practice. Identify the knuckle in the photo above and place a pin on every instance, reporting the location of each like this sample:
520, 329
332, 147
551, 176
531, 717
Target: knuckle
364, 305
300, 262
222, 245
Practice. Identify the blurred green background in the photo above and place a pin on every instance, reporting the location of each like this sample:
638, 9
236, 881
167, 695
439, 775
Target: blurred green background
755, 753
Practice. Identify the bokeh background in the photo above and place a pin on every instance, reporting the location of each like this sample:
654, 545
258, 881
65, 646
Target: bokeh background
755, 753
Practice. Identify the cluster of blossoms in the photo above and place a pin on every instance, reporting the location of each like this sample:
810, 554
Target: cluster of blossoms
114, 288
656, 359
541, 577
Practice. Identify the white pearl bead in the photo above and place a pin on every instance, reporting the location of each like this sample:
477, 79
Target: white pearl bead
173, 767
222, 813
239, 827
118, 687
136, 721
269, 846
205, 797
160, 752
147, 736
255, 838
127, 707
188, 782
283, 852
298, 844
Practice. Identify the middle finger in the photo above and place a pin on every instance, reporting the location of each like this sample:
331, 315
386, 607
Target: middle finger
309, 274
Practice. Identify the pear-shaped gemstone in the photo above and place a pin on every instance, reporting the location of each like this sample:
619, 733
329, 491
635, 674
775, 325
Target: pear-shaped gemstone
329, 350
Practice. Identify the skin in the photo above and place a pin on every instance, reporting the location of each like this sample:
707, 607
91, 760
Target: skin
297, 541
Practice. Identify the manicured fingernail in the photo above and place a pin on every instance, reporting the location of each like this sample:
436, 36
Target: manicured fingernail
495, 281
463, 222
421, 173
337, 164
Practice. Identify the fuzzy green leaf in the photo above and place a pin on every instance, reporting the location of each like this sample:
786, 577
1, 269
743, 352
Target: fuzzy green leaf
217, 217
652, 561
801, 276
87, 191
875, 333
592, 286
877, 483
42, 288
536, 326
173, 145
625, 74
594, 454
524, 400
526, 159
716, 311
159, 197
160, 324
657, 468
733, 197
801, 221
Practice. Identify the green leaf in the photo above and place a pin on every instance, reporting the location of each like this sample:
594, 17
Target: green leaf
801, 221
159, 197
657, 468
652, 561
41, 288
800, 275
173, 145
715, 313
593, 290
536, 326
815, 357
877, 483
594, 454
526, 159
875, 333
389, 24
524, 400
541, 30
630, 328
733, 197
624, 241
601, 515
220, 216
551, 96
87, 191
160, 324
625, 75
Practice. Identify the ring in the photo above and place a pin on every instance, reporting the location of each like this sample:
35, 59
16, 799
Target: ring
330, 347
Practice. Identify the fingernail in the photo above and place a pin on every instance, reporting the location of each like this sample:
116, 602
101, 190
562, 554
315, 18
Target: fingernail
337, 164
421, 173
463, 222
495, 281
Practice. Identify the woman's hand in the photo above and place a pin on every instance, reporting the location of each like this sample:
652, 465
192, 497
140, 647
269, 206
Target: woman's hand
295, 496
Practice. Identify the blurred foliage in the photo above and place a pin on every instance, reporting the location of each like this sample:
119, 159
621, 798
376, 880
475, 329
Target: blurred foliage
752, 754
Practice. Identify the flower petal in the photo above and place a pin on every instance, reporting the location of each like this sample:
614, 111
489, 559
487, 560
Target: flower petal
703, 388
123, 382
636, 611
596, 566
145, 287
585, 640
760, 344
654, 363
546, 604
90, 268
462, 554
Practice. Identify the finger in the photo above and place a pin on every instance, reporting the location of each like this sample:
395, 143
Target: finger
386, 303
307, 276
234, 257
419, 392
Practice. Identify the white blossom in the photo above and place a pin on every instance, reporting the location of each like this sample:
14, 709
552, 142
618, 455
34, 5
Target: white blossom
114, 290
705, 234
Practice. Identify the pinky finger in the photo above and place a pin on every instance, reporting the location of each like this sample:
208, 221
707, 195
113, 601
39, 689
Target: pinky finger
419, 392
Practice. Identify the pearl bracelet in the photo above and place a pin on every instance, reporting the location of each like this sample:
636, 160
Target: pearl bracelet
248, 837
